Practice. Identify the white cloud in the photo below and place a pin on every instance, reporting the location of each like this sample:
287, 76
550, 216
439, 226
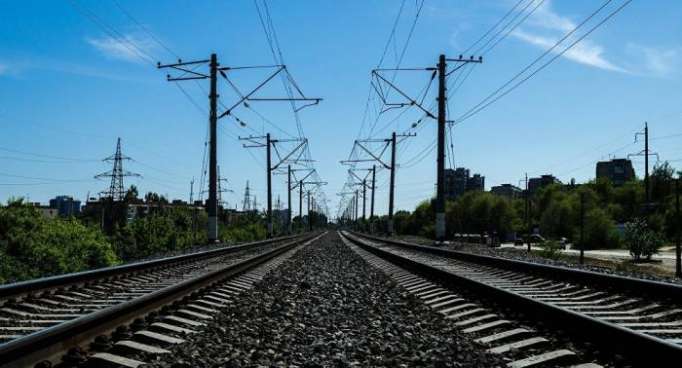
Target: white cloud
657, 61
132, 48
585, 52
549, 27
545, 17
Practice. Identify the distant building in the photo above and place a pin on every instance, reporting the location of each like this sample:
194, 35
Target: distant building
66, 205
459, 181
506, 190
48, 212
535, 184
476, 182
619, 171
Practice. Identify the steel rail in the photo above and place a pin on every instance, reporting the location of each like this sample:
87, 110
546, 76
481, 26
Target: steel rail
638, 347
631, 284
32, 286
54, 341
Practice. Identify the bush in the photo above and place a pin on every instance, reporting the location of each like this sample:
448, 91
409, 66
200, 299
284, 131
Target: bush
641, 240
33, 246
550, 249
243, 233
600, 230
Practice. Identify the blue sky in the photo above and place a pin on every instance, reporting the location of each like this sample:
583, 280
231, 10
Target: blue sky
69, 86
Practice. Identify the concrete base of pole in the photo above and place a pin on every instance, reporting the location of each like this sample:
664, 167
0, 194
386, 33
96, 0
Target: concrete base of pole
440, 226
269, 229
213, 229
390, 227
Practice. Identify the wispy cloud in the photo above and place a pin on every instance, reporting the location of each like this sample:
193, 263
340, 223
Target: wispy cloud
20, 68
548, 27
131, 47
657, 61
586, 52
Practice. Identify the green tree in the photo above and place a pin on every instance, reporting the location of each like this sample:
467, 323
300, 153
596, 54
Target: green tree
33, 246
600, 230
641, 240
558, 220
661, 182
630, 197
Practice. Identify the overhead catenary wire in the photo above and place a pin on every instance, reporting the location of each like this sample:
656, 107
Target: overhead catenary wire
501, 92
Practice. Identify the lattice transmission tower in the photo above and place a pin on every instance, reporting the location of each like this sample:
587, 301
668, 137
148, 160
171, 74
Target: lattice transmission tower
116, 190
246, 205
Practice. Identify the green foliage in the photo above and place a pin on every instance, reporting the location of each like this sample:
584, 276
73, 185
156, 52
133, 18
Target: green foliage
164, 229
243, 233
662, 182
33, 246
550, 249
559, 219
600, 230
641, 240
629, 197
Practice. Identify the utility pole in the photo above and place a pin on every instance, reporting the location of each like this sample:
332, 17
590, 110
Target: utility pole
392, 143
269, 176
646, 153
362, 181
527, 213
213, 153
442, 121
310, 221
289, 224
300, 203
374, 177
255, 142
440, 186
364, 200
391, 195
212, 203
301, 183
357, 208
194, 212
678, 246
646, 164
582, 227
190, 73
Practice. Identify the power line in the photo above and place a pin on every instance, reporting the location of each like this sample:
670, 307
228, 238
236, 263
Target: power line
60, 158
483, 104
112, 32
145, 29
493, 27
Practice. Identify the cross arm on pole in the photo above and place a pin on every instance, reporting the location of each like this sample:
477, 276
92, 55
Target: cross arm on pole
412, 101
375, 157
248, 95
351, 172
347, 162
282, 160
180, 67
253, 141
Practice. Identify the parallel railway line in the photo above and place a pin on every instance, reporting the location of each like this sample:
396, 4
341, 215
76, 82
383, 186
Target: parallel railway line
639, 319
42, 319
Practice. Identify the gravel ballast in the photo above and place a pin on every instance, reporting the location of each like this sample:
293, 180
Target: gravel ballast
326, 307
520, 254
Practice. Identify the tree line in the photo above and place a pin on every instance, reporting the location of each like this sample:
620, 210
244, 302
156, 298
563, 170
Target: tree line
609, 213
32, 245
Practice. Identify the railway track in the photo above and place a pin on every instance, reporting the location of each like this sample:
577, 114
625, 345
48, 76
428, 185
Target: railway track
639, 319
42, 319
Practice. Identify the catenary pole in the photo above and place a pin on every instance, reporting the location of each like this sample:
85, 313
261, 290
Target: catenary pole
440, 186
392, 186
